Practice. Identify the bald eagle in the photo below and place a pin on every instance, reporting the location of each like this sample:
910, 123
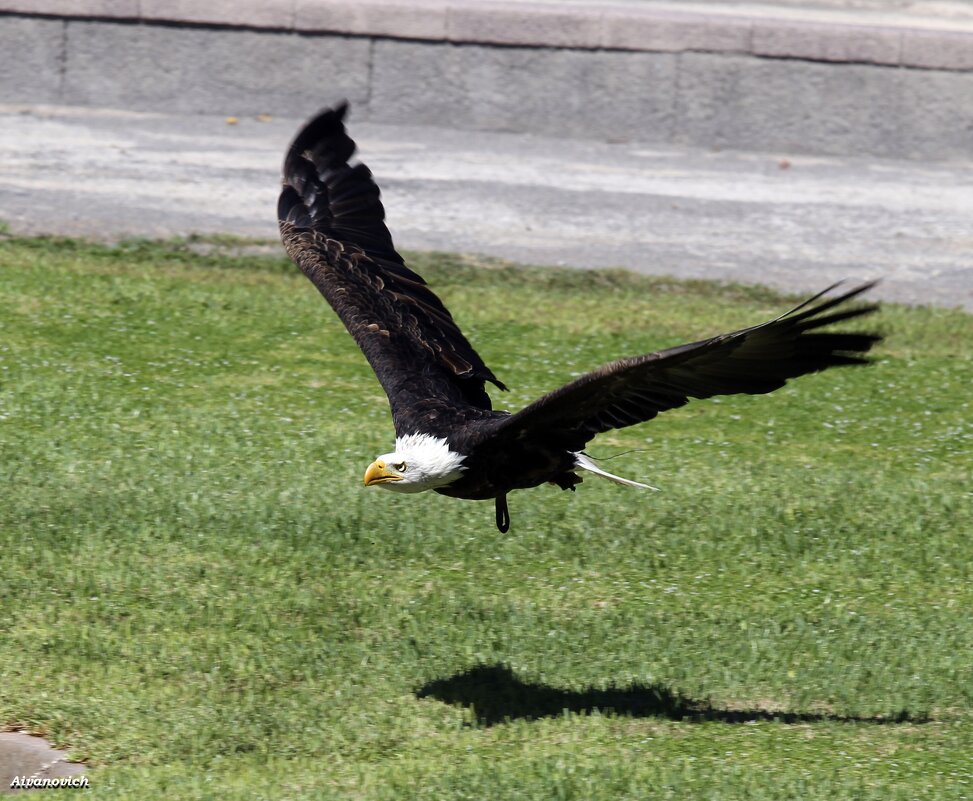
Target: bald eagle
448, 437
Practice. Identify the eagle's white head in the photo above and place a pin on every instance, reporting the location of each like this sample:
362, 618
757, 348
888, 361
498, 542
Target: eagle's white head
420, 462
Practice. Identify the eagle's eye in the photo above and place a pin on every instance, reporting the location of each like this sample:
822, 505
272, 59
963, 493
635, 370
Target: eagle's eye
400, 467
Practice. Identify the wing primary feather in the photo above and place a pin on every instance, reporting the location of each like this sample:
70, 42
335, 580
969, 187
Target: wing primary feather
753, 360
332, 223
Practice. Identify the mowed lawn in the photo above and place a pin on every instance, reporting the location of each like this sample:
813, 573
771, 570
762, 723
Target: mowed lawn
200, 599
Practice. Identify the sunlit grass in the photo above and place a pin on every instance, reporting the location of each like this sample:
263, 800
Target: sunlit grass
199, 597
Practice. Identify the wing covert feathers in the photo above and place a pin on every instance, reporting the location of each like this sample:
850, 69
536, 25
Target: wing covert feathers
752, 360
332, 223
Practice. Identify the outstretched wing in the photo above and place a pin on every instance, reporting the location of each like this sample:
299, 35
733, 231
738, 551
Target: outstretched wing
332, 223
752, 361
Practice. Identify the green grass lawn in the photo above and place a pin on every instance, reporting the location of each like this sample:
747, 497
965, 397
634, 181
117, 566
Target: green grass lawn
200, 599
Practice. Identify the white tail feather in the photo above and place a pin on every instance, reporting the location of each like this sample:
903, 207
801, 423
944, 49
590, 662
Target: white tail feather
585, 463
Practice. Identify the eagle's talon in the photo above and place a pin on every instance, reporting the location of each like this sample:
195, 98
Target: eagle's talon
503, 514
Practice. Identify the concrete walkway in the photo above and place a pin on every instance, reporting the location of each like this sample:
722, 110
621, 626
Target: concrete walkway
793, 222
28, 760
830, 77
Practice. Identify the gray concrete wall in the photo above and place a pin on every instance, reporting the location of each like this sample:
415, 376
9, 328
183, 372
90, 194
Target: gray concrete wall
628, 73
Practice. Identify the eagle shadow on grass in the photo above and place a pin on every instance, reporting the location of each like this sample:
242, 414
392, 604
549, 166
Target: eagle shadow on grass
496, 695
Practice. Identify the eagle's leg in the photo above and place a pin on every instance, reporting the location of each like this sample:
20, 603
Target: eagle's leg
503, 514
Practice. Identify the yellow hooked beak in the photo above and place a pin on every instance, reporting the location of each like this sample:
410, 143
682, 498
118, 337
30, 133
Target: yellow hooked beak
380, 473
